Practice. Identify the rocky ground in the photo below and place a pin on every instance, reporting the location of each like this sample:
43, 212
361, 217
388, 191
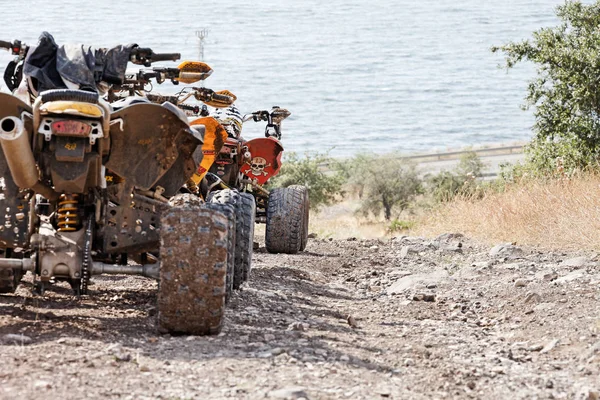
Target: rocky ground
406, 318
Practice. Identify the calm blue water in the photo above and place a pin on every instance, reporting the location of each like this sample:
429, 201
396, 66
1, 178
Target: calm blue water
378, 75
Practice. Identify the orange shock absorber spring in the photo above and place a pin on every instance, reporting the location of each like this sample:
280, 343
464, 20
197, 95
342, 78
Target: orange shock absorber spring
68, 216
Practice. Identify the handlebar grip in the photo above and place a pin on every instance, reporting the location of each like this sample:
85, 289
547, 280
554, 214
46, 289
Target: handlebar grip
260, 116
145, 56
165, 57
159, 98
189, 107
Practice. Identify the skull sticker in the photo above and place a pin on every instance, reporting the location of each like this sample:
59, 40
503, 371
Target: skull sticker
258, 165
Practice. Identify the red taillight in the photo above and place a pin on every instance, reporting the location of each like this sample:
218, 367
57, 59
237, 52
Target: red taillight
71, 128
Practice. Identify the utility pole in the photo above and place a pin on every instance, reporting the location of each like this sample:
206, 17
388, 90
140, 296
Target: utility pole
201, 35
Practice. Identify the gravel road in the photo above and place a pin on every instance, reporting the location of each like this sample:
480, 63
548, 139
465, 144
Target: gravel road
406, 318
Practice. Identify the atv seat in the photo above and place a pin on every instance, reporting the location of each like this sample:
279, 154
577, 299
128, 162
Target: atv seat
117, 105
128, 101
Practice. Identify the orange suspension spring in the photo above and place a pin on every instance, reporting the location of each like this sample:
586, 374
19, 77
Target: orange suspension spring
68, 216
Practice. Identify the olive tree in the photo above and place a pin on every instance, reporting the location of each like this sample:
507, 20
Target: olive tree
566, 91
387, 184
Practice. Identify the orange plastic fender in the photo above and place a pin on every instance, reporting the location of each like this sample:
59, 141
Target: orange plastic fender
214, 138
266, 159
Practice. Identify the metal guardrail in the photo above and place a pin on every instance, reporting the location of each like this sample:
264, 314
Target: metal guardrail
489, 151
455, 155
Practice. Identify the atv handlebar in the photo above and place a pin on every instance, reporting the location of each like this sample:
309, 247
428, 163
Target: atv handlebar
207, 95
258, 116
165, 57
15, 47
139, 55
159, 98
145, 56
160, 74
273, 118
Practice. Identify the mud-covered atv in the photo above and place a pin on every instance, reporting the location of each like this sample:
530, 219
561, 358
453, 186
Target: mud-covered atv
241, 205
85, 187
238, 171
248, 165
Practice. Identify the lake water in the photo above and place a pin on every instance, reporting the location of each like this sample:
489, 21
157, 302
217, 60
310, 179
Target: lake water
378, 75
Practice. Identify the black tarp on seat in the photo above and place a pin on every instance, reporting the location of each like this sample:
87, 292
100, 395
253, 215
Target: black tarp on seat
50, 64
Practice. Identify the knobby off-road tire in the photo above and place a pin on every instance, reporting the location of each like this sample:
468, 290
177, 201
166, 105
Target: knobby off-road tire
227, 199
193, 271
245, 209
285, 216
229, 211
245, 234
305, 219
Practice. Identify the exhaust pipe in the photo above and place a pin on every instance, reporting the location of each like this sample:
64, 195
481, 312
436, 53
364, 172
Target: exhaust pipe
17, 151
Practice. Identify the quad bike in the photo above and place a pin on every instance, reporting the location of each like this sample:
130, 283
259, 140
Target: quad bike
248, 165
86, 187
241, 204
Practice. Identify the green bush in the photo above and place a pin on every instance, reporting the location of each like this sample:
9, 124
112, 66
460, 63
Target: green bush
446, 185
566, 92
324, 187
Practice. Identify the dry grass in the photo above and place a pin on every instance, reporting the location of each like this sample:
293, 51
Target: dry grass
339, 221
347, 226
561, 214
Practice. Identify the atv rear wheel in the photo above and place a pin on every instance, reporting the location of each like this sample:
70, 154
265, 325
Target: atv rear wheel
245, 209
193, 271
304, 238
285, 216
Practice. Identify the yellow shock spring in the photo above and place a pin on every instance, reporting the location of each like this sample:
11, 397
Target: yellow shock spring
68, 217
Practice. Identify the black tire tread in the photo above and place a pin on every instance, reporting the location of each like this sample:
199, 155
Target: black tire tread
284, 221
305, 219
69, 95
228, 210
245, 209
245, 234
229, 198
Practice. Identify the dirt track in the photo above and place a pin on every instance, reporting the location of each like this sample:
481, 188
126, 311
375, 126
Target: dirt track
431, 319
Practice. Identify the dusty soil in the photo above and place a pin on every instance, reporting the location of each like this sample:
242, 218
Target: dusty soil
346, 319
